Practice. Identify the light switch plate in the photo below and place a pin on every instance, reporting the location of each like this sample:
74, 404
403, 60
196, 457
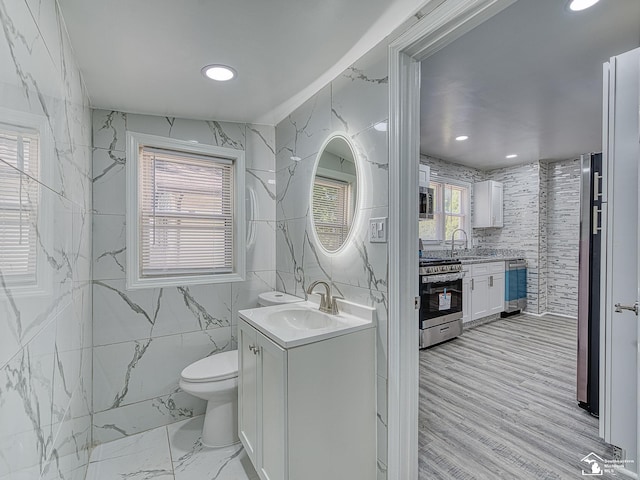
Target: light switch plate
378, 230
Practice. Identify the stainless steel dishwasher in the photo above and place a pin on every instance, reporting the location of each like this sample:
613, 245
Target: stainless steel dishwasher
515, 288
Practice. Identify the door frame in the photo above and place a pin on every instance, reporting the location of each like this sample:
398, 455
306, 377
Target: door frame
445, 21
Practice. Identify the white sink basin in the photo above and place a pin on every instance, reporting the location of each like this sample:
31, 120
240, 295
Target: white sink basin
303, 319
291, 326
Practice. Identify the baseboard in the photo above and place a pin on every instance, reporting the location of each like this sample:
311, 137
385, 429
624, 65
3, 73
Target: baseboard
550, 313
561, 315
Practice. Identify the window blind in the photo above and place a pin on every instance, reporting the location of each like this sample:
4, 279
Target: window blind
19, 198
185, 213
331, 210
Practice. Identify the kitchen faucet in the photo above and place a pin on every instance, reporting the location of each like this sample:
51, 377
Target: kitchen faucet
327, 302
466, 240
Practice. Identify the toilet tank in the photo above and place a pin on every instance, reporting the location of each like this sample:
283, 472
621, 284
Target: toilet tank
276, 298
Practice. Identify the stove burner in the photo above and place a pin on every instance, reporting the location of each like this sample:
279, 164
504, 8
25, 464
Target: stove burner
437, 266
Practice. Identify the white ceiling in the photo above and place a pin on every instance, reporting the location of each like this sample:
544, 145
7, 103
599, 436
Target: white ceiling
145, 56
527, 81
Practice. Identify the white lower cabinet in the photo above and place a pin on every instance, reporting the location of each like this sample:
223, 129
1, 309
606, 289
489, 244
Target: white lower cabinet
466, 294
484, 292
308, 412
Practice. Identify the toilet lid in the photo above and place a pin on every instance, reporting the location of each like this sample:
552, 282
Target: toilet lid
220, 366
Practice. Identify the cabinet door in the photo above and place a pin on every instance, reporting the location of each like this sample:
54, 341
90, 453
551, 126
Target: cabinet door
496, 293
479, 297
248, 390
466, 298
496, 204
272, 385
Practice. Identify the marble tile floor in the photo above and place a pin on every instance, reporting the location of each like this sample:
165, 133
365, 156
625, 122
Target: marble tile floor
173, 452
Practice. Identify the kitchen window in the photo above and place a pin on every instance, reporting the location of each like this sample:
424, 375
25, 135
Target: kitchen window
452, 207
185, 212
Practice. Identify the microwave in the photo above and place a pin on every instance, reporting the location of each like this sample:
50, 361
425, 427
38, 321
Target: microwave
425, 203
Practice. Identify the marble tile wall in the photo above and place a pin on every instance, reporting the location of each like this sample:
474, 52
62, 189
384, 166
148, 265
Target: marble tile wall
45, 324
144, 338
353, 103
563, 229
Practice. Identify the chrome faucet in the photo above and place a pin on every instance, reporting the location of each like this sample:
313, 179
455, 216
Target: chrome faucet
466, 240
327, 302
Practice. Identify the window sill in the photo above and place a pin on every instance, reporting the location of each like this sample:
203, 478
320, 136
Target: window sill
180, 281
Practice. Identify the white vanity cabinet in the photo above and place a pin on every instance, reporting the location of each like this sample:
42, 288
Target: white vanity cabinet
482, 290
488, 202
308, 412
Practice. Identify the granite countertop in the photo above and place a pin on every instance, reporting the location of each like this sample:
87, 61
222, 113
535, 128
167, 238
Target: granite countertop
489, 258
478, 255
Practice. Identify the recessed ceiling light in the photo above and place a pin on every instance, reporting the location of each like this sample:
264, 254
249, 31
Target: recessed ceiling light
381, 127
577, 5
221, 73
513, 155
295, 158
462, 138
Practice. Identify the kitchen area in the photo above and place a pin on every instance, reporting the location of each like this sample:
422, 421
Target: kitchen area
466, 283
509, 221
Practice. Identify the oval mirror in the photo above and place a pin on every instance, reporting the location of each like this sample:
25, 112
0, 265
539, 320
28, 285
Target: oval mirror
335, 192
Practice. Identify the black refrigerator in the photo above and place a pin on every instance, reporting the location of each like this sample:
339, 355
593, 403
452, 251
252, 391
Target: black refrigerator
589, 283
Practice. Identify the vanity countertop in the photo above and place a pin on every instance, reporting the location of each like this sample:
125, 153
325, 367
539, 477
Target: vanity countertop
296, 324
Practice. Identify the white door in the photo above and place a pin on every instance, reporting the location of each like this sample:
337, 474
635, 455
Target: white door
272, 387
619, 347
479, 297
248, 390
637, 300
496, 293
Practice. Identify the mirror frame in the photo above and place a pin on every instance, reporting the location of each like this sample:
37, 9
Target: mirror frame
360, 188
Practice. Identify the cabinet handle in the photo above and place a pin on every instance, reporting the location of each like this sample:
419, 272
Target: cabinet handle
491, 281
596, 186
253, 348
472, 284
596, 211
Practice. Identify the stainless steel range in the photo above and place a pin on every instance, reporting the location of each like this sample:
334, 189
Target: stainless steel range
440, 300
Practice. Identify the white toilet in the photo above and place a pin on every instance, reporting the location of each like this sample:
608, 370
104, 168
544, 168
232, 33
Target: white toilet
215, 379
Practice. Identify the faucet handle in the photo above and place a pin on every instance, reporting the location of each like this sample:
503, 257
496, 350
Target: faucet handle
334, 305
323, 300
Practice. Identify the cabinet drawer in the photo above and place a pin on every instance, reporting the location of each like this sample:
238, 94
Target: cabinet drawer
487, 268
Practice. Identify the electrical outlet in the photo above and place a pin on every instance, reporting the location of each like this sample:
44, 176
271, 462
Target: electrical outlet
378, 230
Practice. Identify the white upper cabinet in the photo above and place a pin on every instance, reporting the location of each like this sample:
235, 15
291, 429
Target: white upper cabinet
488, 201
424, 174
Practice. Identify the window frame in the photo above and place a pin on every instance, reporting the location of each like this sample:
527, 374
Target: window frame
40, 284
441, 226
348, 197
135, 280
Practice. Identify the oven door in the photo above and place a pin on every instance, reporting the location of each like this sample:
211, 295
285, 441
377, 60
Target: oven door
440, 302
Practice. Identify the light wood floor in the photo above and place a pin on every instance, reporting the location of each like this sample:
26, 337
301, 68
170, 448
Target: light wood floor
499, 402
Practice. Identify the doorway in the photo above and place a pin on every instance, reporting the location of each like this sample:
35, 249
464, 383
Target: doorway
442, 27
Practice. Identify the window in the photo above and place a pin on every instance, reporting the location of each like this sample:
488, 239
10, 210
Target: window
331, 211
451, 211
19, 201
185, 212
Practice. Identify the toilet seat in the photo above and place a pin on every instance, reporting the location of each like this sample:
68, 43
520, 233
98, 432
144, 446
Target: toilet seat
221, 366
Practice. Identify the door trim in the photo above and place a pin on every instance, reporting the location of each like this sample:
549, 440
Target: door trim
445, 22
